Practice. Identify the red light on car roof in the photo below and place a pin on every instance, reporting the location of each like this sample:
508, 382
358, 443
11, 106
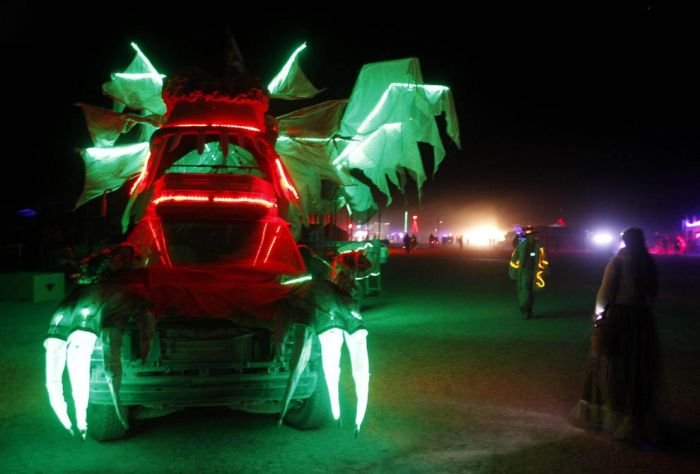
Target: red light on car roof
219, 199
245, 200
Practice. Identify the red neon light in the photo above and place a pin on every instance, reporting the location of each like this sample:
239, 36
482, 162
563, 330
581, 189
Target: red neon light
262, 239
283, 178
162, 251
220, 125
214, 199
272, 244
181, 198
245, 200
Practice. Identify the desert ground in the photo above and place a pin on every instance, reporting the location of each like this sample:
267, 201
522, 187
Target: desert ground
461, 383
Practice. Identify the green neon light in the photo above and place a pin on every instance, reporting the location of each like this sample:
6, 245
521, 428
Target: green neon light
367, 245
138, 75
375, 110
354, 145
300, 279
282, 75
374, 274
145, 59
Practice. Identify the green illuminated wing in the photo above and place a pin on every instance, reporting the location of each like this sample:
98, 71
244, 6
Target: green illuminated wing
110, 164
291, 83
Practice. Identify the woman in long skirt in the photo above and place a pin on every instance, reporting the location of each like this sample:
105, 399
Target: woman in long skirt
621, 384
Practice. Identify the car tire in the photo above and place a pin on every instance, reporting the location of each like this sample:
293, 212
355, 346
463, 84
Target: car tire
103, 423
315, 411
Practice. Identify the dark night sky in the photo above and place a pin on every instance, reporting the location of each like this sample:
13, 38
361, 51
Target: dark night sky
559, 107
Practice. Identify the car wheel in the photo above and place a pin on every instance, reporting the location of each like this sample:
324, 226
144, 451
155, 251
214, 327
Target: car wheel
313, 412
103, 423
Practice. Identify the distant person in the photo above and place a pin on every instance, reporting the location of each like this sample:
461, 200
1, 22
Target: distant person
407, 243
528, 264
460, 241
620, 389
432, 240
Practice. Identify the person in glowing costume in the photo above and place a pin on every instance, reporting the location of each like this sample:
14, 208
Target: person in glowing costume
527, 266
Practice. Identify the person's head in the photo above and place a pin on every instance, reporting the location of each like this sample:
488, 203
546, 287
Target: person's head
530, 232
634, 239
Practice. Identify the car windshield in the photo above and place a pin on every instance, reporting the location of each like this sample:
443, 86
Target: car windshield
256, 245
213, 160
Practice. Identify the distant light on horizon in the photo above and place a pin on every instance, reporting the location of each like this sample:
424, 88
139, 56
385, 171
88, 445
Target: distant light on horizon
483, 236
689, 223
602, 238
